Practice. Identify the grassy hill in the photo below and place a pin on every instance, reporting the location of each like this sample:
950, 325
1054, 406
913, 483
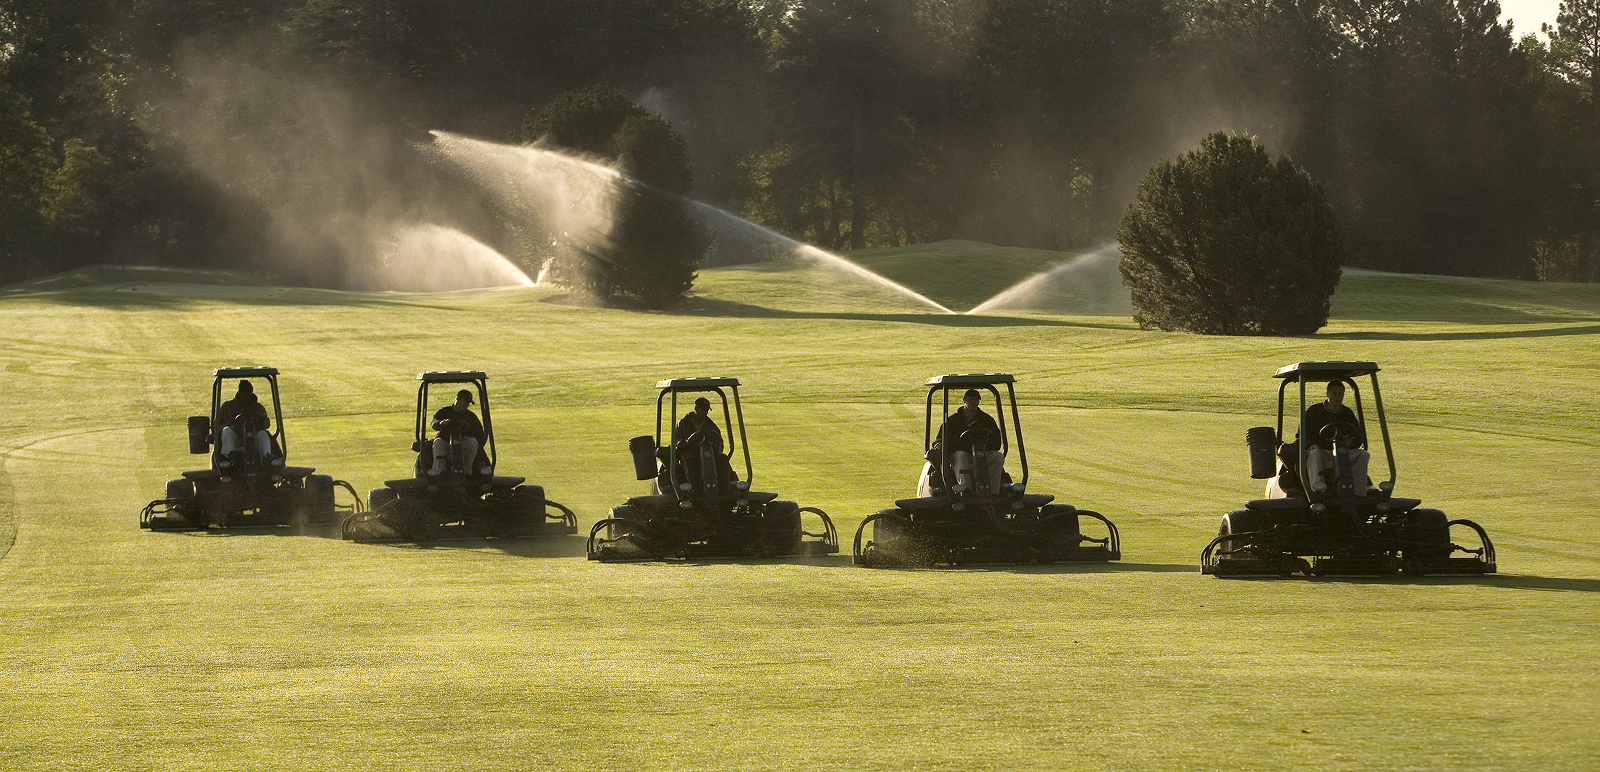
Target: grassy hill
132, 650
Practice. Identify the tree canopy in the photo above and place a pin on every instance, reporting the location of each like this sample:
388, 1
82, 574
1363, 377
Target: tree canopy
1443, 141
1225, 241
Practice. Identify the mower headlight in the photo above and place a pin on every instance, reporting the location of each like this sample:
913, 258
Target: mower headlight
1016, 488
1383, 506
1319, 507
433, 489
742, 503
684, 505
742, 485
685, 487
1386, 486
277, 478
227, 479
958, 506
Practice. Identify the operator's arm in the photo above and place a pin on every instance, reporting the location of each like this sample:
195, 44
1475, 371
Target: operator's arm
1311, 423
1361, 430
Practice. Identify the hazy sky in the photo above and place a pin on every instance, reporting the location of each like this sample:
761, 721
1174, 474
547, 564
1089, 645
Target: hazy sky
1529, 14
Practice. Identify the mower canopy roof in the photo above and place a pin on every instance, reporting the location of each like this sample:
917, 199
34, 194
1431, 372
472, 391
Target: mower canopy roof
696, 384
244, 372
1325, 371
453, 376
970, 379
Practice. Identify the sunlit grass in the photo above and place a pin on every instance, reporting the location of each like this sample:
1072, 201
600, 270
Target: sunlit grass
131, 650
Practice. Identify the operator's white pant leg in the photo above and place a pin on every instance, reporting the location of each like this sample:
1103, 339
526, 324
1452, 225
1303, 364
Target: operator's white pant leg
997, 466
995, 463
264, 445
229, 442
962, 461
1316, 459
441, 451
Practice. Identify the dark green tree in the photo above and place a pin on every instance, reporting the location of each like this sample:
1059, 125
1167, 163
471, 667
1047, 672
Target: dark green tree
25, 167
656, 243
1225, 241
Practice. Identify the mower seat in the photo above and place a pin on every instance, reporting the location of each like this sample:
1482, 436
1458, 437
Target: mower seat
1403, 505
1291, 504
923, 503
760, 497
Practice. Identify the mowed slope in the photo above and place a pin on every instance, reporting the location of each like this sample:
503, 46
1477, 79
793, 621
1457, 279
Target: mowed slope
134, 650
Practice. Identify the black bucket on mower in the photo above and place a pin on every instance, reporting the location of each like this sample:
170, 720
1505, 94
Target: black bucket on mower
199, 434
644, 457
1263, 456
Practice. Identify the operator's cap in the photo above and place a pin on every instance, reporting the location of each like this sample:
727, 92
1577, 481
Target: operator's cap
702, 401
465, 393
247, 387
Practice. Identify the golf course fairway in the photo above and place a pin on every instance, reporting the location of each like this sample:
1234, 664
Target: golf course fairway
130, 650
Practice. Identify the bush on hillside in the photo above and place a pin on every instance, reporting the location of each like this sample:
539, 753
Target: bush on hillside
656, 243
1224, 241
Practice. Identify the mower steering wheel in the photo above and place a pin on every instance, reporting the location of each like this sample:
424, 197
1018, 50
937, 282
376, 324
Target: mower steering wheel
1333, 431
976, 437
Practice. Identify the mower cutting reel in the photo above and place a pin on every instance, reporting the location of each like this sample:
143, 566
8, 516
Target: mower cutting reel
698, 508
459, 495
249, 483
1338, 525
960, 516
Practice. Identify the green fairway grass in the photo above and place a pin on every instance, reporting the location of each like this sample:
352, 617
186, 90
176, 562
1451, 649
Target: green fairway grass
129, 650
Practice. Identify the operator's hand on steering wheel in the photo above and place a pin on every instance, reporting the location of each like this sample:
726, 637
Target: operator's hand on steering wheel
976, 437
1332, 432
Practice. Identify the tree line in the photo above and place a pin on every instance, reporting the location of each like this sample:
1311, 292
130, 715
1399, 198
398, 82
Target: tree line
1445, 141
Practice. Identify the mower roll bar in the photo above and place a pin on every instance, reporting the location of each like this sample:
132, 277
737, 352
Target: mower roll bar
1325, 372
268, 374
479, 381
949, 383
676, 386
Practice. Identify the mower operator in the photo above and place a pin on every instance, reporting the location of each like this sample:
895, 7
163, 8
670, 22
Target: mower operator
698, 422
244, 416
1319, 451
968, 417
457, 421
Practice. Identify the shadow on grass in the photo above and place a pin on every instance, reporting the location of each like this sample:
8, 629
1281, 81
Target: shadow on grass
114, 299
1504, 581
1061, 568
728, 308
571, 546
1507, 581
1549, 332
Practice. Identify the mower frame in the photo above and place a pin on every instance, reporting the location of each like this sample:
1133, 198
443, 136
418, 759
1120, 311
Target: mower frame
952, 526
1343, 533
730, 521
